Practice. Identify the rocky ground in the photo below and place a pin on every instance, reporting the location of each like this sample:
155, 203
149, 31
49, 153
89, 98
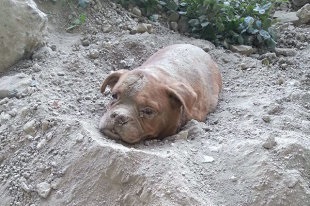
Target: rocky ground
253, 150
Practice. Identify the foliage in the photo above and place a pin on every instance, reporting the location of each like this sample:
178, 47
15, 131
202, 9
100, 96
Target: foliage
232, 21
77, 13
77, 22
221, 21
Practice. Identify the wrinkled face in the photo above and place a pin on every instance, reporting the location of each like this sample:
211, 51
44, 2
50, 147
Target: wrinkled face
141, 108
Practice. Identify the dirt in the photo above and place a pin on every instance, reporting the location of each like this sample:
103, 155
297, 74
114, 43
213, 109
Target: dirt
253, 150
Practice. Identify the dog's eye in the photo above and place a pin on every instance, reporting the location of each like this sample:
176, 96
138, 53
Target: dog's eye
147, 112
114, 96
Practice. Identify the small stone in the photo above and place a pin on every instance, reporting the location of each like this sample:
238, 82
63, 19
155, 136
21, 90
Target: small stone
136, 11
141, 28
13, 112
285, 52
29, 127
266, 119
41, 143
55, 183
79, 138
174, 17
43, 189
269, 143
127, 63
53, 47
45, 125
174, 26
107, 29
233, 178
25, 187
94, 54
207, 159
85, 42
242, 49
183, 135
280, 81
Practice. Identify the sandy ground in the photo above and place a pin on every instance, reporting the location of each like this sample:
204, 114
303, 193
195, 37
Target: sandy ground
253, 150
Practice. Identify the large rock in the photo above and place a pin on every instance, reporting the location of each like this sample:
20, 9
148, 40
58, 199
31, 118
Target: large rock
300, 3
304, 14
22, 26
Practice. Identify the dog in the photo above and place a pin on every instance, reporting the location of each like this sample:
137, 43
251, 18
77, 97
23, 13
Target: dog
178, 83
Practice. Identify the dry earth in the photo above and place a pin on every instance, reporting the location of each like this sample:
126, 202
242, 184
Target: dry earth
254, 150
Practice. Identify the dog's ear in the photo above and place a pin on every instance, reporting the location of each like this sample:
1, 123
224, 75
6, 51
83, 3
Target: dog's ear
182, 95
112, 79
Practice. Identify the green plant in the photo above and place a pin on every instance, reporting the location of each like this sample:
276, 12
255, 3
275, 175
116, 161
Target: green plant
77, 22
232, 21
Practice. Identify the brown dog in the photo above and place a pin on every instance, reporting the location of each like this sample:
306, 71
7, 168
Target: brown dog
176, 84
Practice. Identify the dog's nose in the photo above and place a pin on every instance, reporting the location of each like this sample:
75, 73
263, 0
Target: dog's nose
120, 119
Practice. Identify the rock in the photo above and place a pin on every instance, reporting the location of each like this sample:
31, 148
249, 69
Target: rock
300, 3
304, 14
94, 54
136, 11
42, 53
128, 62
141, 28
174, 17
242, 49
85, 42
29, 127
284, 16
14, 86
174, 26
285, 51
266, 119
271, 57
208, 159
27, 23
183, 26
269, 143
43, 189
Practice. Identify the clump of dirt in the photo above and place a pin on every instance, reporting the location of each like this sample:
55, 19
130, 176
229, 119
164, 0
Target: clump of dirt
253, 150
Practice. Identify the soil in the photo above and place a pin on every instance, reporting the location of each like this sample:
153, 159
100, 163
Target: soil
253, 150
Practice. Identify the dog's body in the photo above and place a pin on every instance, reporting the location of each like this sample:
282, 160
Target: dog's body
176, 84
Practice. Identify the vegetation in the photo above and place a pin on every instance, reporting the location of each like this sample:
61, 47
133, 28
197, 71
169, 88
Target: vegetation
232, 22
222, 21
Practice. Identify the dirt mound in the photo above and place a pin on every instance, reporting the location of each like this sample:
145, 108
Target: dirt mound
253, 150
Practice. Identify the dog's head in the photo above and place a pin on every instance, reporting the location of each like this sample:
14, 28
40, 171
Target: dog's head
144, 106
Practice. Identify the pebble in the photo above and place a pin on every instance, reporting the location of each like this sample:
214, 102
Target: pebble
85, 42
269, 143
242, 49
285, 52
141, 28
174, 17
25, 187
43, 189
136, 11
41, 143
29, 127
94, 54
174, 26
207, 159
266, 119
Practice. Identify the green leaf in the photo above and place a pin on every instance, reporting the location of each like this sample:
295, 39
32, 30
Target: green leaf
193, 22
204, 24
264, 34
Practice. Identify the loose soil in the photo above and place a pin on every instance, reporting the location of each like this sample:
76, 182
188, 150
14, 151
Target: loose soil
253, 150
